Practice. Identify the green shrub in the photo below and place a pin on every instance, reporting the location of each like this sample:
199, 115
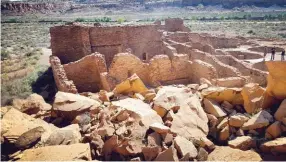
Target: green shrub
120, 20
80, 20
4, 54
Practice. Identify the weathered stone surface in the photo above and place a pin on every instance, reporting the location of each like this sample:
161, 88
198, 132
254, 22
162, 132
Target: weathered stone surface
70, 105
213, 121
276, 79
213, 108
29, 138
259, 120
133, 84
227, 106
220, 94
187, 119
169, 98
224, 133
224, 153
281, 111
275, 146
167, 139
32, 105
185, 148
139, 110
168, 155
14, 123
150, 153
109, 146
64, 136
127, 148
202, 155
189, 115
159, 128
242, 143
223, 123
58, 153
237, 120
274, 130
154, 140
252, 95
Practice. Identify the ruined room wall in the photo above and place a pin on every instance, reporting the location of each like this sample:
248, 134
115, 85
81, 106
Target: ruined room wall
70, 43
62, 82
230, 82
246, 55
260, 66
112, 40
85, 73
175, 24
216, 42
163, 70
223, 70
256, 75
202, 69
124, 63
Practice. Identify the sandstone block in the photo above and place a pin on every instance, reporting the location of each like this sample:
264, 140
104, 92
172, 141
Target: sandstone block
259, 120
213, 108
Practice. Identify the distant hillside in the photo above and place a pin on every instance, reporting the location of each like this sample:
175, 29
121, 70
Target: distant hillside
44, 6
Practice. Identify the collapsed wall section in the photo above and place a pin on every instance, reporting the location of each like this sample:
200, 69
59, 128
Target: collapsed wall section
61, 80
256, 75
202, 69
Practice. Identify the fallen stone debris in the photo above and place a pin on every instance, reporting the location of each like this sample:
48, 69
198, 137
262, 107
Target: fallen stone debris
141, 111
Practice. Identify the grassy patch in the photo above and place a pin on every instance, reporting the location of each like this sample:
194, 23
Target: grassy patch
20, 87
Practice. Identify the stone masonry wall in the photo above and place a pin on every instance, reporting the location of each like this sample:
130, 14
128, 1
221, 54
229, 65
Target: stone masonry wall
86, 72
70, 43
62, 82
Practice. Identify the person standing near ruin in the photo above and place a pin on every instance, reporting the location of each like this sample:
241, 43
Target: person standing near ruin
283, 55
273, 53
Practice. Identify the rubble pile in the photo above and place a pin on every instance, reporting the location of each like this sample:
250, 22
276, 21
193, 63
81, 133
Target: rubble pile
135, 123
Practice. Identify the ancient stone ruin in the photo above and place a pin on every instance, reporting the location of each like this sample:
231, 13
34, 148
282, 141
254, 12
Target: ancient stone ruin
90, 58
151, 92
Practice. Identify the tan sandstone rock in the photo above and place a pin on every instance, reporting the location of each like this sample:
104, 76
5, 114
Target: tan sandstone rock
213, 107
185, 148
224, 153
220, 94
139, 110
58, 153
252, 95
159, 128
133, 84
237, 120
276, 146
281, 111
168, 155
188, 113
32, 105
70, 105
224, 133
274, 130
14, 123
276, 79
242, 143
223, 123
259, 120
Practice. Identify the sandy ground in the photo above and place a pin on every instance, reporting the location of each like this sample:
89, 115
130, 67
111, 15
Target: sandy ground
44, 59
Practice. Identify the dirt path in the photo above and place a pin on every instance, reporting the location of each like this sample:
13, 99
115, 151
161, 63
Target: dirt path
44, 59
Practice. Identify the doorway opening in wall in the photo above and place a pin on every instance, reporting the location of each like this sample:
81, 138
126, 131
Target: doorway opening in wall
144, 57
